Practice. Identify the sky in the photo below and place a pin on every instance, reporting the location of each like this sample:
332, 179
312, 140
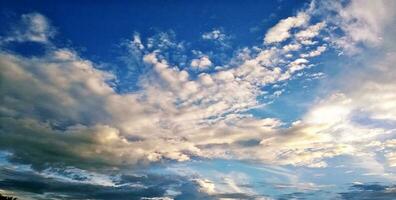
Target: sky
179, 100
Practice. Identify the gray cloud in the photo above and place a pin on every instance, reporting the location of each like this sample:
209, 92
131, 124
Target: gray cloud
33, 185
370, 191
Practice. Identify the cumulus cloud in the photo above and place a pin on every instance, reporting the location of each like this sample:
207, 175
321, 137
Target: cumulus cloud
317, 52
291, 47
63, 116
330, 127
49, 112
62, 112
62, 98
62, 104
310, 32
201, 63
281, 31
298, 64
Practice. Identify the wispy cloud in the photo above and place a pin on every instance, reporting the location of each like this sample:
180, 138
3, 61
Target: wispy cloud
32, 27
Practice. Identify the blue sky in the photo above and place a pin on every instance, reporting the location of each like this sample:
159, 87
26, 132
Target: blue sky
198, 100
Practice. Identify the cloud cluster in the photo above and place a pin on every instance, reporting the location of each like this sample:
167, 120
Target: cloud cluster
61, 109
216, 34
201, 63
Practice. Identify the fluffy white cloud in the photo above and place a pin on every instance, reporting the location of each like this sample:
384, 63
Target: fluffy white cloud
291, 47
298, 64
201, 63
60, 104
64, 98
330, 127
59, 91
281, 31
317, 52
310, 32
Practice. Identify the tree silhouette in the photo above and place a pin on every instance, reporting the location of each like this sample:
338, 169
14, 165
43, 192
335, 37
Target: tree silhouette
7, 197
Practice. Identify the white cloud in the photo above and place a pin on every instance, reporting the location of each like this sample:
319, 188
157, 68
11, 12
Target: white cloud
330, 127
202, 63
362, 22
175, 116
32, 27
60, 108
391, 157
51, 82
137, 41
317, 52
298, 64
308, 42
214, 35
281, 31
206, 185
226, 183
310, 32
218, 37
172, 117
291, 47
